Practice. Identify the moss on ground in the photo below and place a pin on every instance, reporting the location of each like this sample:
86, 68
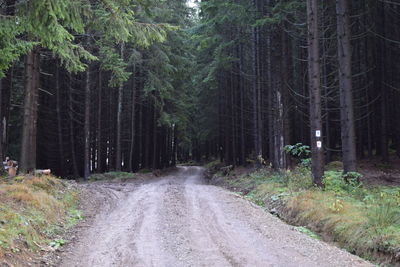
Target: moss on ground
365, 221
34, 210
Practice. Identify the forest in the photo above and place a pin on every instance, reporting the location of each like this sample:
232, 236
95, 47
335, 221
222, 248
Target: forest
93, 86
278, 70
199, 133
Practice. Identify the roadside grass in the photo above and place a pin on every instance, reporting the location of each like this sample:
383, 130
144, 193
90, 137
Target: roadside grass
213, 165
189, 163
112, 176
364, 220
34, 210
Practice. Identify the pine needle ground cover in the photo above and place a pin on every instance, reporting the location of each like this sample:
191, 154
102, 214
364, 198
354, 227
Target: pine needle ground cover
34, 212
364, 220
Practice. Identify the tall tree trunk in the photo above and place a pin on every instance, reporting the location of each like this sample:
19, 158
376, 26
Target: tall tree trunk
317, 152
345, 85
154, 141
220, 126
140, 131
147, 136
99, 144
325, 85
71, 128
5, 108
383, 138
271, 103
86, 160
5, 92
29, 128
233, 119
59, 123
118, 162
174, 146
255, 95
242, 93
2, 123
286, 97
133, 124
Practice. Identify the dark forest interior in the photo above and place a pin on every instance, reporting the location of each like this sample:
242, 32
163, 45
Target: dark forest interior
94, 86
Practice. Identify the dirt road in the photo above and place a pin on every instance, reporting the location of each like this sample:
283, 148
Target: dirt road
177, 220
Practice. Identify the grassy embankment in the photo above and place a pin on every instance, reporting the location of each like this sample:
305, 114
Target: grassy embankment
364, 220
34, 212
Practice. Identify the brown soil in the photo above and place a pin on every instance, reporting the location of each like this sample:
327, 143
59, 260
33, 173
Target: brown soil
377, 173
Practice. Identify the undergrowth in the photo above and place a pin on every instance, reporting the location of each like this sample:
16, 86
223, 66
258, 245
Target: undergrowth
364, 220
33, 210
112, 176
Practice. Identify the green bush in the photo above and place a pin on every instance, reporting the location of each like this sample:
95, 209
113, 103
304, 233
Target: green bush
306, 163
298, 150
342, 184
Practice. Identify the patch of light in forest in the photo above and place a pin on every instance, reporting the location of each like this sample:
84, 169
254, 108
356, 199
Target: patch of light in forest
192, 3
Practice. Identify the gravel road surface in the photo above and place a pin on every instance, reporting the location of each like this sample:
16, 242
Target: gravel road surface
178, 220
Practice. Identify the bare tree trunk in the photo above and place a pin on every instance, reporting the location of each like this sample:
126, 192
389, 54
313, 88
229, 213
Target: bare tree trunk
59, 123
233, 119
99, 125
345, 85
6, 103
384, 137
174, 146
2, 123
255, 95
140, 131
86, 160
147, 135
286, 98
5, 91
71, 129
29, 128
325, 84
154, 141
242, 93
315, 92
133, 124
118, 162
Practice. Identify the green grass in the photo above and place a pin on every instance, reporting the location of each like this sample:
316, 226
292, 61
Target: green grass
308, 232
112, 176
365, 221
213, 166
34, 209
144, 171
